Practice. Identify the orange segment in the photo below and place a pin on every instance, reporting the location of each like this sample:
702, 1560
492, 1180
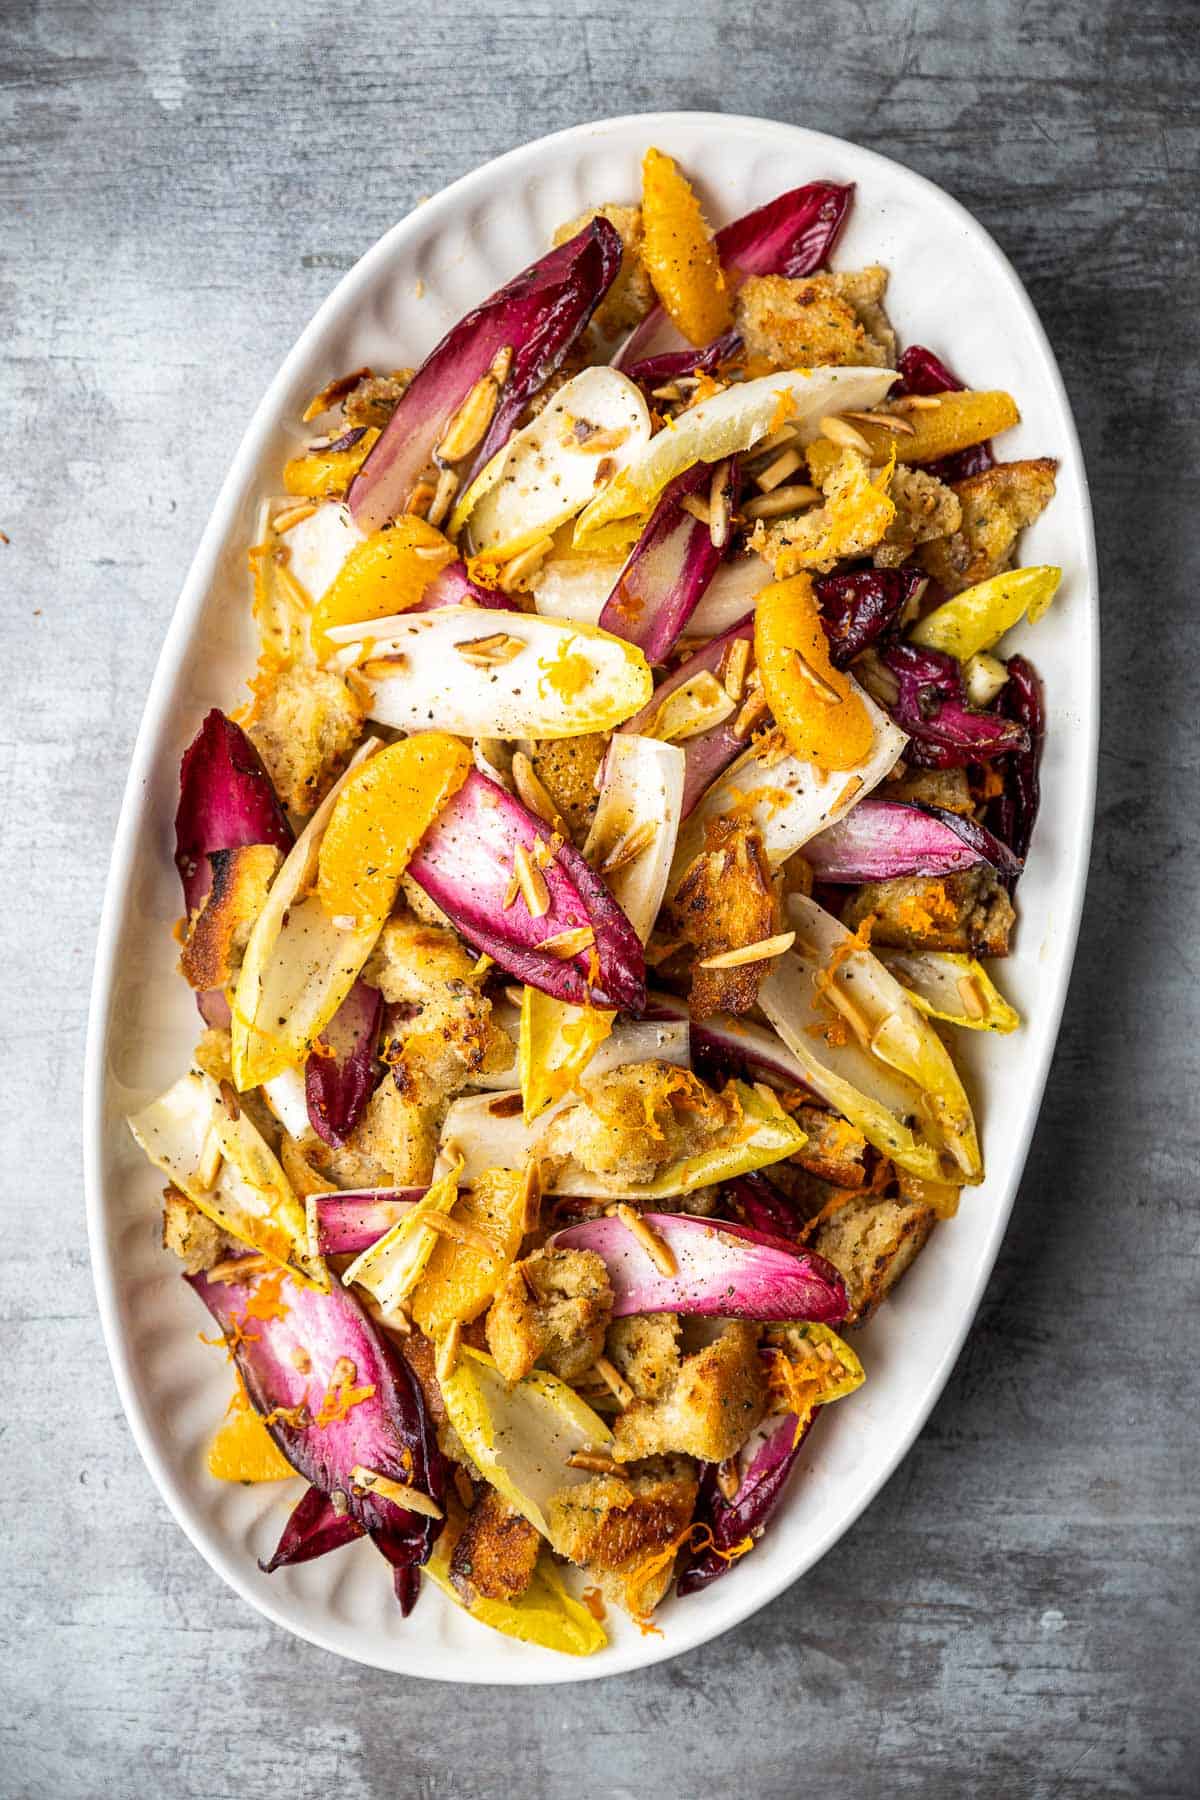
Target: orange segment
816, 706
244, 1450
380, 817
387, 573
679, 253
328, 473
461, 1278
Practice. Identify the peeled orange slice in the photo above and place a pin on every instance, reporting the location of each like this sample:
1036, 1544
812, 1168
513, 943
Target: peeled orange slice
386, 573
381, 815
679, 253
244, 1450
817, 707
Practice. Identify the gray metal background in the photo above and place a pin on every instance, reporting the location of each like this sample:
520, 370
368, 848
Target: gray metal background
181, 184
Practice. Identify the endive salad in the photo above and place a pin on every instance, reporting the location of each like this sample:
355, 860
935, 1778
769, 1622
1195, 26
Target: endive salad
625, 819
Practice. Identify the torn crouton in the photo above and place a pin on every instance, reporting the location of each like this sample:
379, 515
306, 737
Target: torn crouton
816, 320
396, 1134
553, 1308
305, 726
996, 506
608, 1520
947, 788
194, 1239
420, 1353
725, 901
856, 515
496, 1552
631, 295
637, 1119
717, 1398
219, 930
871, 1242
568, 769
644, 1350
968, 912
439, 1032
836, 1151
374, 400
925, 509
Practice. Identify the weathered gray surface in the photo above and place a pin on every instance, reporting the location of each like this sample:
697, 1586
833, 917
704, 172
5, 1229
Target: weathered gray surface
1016, 1615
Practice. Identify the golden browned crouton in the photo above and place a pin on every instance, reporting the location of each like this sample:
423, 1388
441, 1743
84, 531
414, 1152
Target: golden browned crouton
856, 515
553, 1308
213, 1054
632, 1121
631, 296
925, 509
815, 320
870, 1242
496, 1553
374, 400
218, 931
305, 728
947, 788
714, 1403
644, 1349
724, 902
836, 1151
968, 912
809, 1194
567, 768
420, 1353
195, 1240
996, 506
441, 1033
396, 1134
612, 1518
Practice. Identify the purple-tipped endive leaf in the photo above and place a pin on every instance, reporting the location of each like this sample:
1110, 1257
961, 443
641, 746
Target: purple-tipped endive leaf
722, 1270
657, 371
931, 706
313, 1529
536, 317
881, 839
452, 586
335, 1398
348, 1223
465, 863
1013, 813
733, 1521
339, 1078
226, 802
710, 751
757, 1202
857, 608
723, 1045
670, 566
791, 235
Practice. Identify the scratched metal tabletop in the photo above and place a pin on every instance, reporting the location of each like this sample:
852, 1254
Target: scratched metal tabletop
1016, 1613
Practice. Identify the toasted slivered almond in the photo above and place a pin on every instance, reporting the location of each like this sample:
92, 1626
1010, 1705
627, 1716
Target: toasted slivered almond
566, 944
918, 403
510, 893
446, 1360
292, 515
973, 1002
229, 1100
777, 472
530, 789
816, 680
614, 1381
544, 853
443, 496
630, 847
729, 1476
520, 567
844, 435
482, 964
492, 651
467, 426
735, 660
594, 1461
774, 440
342, 1373
754, 709
694, 706
789, 498
300, 1359
660, 1254
461, 1233
719, 506
852, 787
332, 392
593, 440
288, 582
502, 364
361, 689
692, 503
398, 1491
748, 953
671, 391
889, 422
531, 1195
859, 1024
531, 883
209, 1165
378, 668
237, 1268
421, 498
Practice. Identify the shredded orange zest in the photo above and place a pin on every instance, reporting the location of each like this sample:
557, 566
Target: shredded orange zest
697, 1536
593, 1599
231, 1341
992, 785
319, 1047
817, 707
386, 573
679, 253
380, 817
339, 1399
265, 1303
785, 409
484, 572
706, 388
568, 675
927, 910
240, 1401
